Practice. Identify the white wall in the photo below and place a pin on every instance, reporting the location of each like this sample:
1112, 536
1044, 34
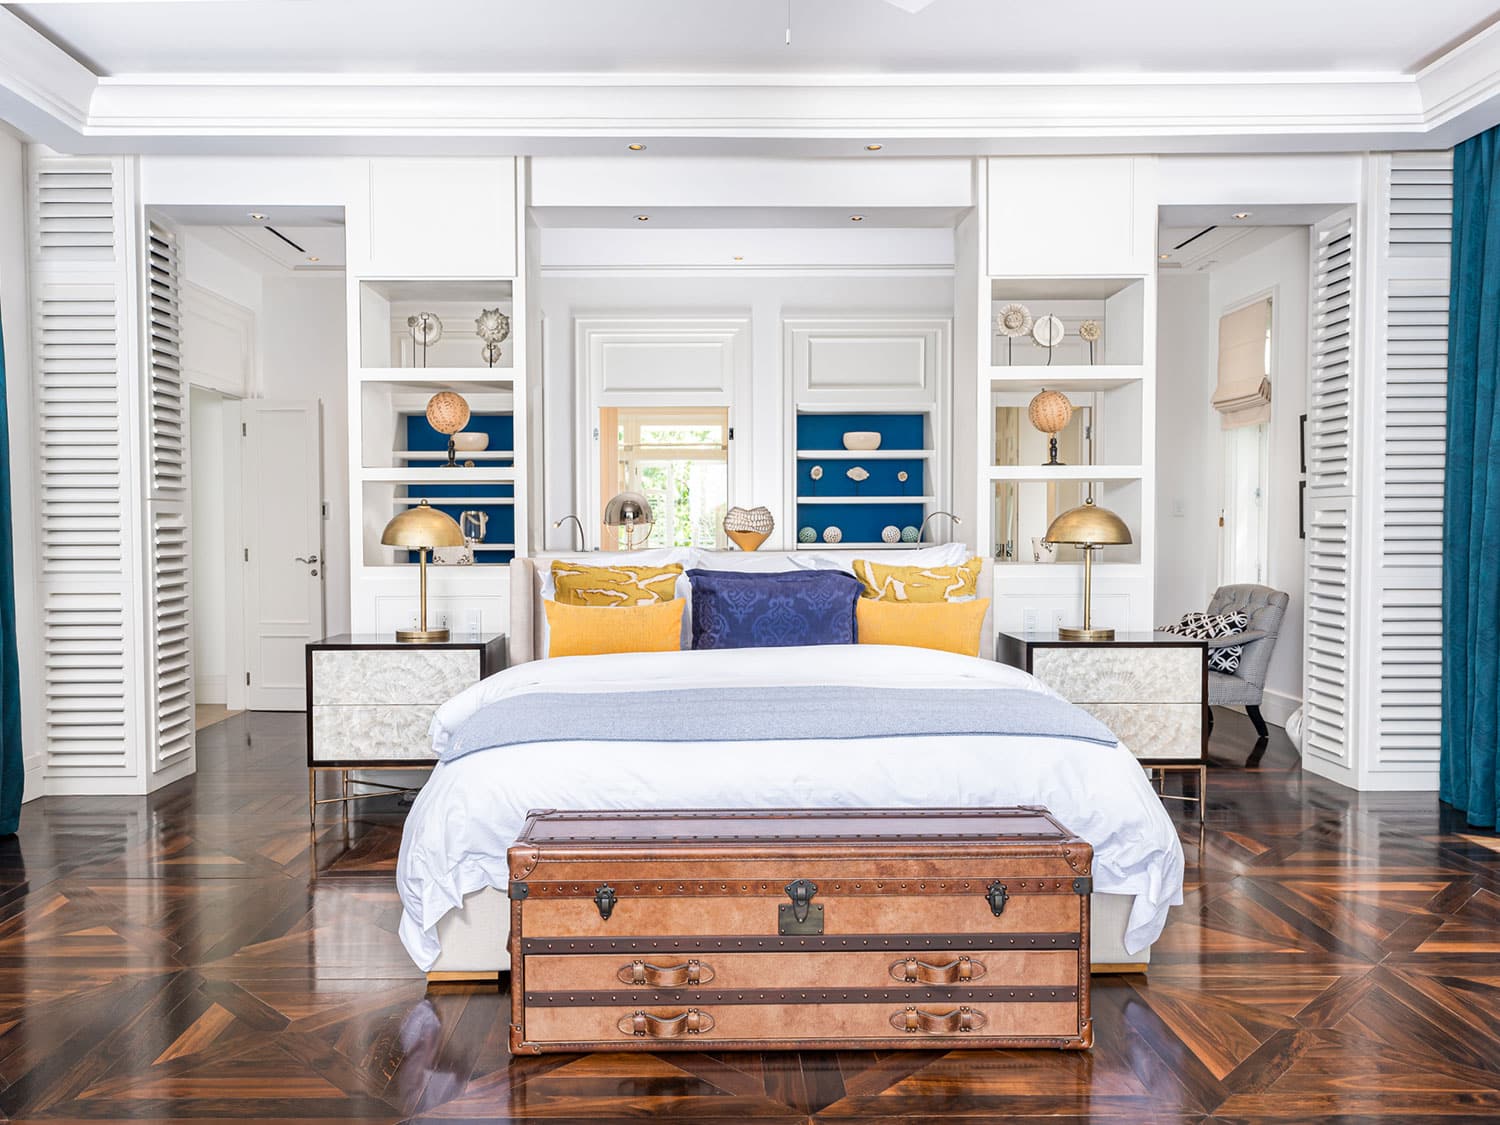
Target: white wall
15, 321
302, 349
1190, 449
209, 547
766, 300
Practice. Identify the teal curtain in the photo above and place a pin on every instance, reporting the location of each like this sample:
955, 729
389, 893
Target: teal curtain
12, 762
1471, 498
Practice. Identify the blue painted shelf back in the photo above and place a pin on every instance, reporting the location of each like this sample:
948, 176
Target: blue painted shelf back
502, 518
861, 523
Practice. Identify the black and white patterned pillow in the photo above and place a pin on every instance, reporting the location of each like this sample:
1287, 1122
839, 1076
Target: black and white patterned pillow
1207, 626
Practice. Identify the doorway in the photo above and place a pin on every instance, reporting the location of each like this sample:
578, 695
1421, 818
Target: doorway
215, 528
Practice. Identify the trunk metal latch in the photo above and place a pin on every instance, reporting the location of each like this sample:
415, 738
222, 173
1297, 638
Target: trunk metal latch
801, 915
604, 899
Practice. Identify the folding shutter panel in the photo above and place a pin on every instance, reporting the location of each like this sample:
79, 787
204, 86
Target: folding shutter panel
172, 657
168, 396
1329, 380
1328, 640
82, 503
1413, 437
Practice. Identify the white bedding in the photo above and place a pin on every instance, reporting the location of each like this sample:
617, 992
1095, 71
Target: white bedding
472, 808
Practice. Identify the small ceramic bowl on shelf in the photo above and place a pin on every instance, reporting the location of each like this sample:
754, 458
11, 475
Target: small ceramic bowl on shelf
468, 441
862, 440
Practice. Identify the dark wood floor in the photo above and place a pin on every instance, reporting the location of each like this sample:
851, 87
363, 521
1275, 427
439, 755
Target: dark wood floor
1338, 958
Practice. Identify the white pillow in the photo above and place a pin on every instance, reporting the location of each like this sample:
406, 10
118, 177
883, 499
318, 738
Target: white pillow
755, 562
654, 556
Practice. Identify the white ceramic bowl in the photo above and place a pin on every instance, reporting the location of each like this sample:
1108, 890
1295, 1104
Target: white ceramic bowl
466, 442
862, 440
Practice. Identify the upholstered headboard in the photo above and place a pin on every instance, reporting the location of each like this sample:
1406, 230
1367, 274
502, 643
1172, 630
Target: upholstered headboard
527, 617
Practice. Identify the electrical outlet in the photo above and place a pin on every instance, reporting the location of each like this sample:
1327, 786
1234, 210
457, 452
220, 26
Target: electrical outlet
1028, 621
1057, 619
1179, 508
473, 622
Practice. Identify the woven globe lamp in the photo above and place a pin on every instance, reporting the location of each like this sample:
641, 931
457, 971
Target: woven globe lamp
421, 529
1086, 527
1050, 412
448, 413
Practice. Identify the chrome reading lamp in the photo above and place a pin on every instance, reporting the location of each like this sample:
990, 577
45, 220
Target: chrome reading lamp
629, 510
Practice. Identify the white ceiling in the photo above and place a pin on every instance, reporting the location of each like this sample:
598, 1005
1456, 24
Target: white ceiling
981, 37
296, 239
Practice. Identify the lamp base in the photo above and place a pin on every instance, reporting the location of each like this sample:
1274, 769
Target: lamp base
421, 636
1076, 633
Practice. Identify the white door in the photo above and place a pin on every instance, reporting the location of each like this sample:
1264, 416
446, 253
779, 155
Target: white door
281, 488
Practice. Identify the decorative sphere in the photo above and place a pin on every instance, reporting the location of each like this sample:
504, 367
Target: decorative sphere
807, 535
890, 534
1050, 411
832, 535
909, 534
447, 412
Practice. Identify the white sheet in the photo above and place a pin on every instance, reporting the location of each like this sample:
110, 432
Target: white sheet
471, 809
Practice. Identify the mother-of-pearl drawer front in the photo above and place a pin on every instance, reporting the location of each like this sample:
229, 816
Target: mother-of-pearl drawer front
372, 733
391, 676
1122, 675
1154, 730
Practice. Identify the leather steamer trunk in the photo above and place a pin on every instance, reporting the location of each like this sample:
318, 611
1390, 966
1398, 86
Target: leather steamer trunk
762, 929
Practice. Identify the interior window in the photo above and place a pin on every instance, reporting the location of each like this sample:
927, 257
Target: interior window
678, 458
1245, 483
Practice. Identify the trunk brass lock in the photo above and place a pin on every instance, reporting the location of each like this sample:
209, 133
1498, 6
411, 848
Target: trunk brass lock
997, 895
604, 899
802, 915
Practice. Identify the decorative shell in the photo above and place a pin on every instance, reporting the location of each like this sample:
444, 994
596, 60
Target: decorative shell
492, 326
1089, 330
858, 474
903, 476
909, 534
1050, 411
749, 519
890, 534
807, 535
816, 472
425, 328
832, 535
1013, 320
1048, 331
447, 412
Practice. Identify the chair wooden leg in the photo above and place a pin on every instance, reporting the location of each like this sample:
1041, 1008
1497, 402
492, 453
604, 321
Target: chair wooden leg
1261, 730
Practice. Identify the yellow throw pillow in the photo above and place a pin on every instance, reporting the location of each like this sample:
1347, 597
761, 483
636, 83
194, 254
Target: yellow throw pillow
947, 626
918, 583
578, 630
581, 584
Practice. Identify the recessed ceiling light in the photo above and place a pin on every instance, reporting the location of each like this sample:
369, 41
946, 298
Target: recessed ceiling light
643, 218
874, 148
856, 218
1241, 215
739, 257
313, 258
258, 216
1164, 256
637, 147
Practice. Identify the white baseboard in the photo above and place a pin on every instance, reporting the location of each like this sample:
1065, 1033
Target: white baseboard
1275, 707
34, 784
210, 689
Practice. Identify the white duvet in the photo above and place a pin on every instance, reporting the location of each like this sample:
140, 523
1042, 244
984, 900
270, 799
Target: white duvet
472, 808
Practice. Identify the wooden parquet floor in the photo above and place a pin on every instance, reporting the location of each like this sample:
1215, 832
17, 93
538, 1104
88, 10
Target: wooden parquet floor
1337, 959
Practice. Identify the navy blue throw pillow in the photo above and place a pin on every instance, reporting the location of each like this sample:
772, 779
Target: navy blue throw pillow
792, 607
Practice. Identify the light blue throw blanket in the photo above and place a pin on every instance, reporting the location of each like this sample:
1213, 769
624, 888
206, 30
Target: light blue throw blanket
771, 714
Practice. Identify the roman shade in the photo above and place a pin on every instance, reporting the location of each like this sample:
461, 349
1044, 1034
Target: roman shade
1243, 394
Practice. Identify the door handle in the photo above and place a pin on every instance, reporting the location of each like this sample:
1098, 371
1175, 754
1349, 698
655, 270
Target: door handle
309, 559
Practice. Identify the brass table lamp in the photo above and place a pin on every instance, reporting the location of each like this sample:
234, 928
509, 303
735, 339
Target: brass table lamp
421, 529
1088, 526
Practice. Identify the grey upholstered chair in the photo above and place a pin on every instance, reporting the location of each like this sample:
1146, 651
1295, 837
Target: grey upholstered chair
1246, 685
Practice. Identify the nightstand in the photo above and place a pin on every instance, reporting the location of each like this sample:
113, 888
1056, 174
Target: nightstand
1150, 689
370, 701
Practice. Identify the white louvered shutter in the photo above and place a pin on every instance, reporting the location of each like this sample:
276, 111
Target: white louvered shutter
1330, 633
1413, 440
82, 503
168, 416
168, 510
1330, 376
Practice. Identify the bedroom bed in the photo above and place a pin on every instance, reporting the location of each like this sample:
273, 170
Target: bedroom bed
628, 731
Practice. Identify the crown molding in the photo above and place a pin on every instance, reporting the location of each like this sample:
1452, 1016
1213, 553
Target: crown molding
51, 97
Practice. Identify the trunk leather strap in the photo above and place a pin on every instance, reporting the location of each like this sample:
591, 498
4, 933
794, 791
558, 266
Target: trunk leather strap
644, 1025
665, 976
962, 970
913, 1020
